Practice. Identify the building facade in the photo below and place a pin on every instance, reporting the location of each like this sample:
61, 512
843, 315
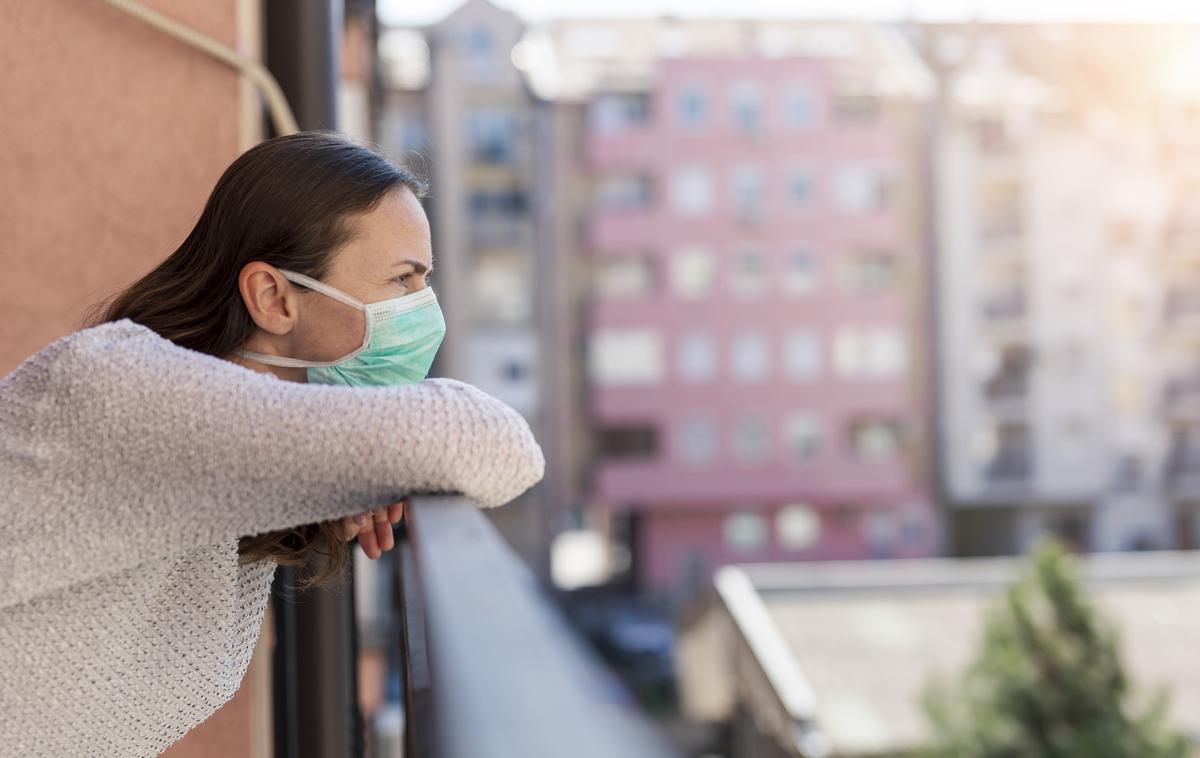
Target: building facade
757, 254
1064, 294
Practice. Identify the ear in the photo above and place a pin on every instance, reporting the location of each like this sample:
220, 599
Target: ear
270, 298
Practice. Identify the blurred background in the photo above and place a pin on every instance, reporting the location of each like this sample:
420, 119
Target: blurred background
825, 314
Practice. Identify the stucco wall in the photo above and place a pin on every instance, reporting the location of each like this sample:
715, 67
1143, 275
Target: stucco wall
112, 134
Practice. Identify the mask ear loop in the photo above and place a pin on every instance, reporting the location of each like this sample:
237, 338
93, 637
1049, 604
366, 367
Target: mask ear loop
336, 294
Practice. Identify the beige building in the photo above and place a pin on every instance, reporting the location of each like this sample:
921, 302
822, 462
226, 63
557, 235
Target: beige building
457, 108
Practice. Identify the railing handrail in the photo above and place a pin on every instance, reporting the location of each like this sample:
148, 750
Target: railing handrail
492, 668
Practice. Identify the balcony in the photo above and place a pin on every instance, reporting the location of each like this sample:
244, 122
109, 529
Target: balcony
1181, 396
1181, 306
1006, 391
1182, 472
1005, 307
490, 668
1010, 467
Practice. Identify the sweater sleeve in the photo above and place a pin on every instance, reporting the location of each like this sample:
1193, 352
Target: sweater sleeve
137, 447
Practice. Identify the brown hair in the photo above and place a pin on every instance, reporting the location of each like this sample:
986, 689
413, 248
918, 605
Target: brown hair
287, 202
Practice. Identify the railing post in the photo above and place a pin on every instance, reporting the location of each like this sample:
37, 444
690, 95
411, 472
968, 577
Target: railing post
316, 682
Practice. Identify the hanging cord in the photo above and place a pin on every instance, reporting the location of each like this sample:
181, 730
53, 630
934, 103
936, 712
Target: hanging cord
277, 104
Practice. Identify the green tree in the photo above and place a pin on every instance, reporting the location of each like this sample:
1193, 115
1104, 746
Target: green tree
1048, 682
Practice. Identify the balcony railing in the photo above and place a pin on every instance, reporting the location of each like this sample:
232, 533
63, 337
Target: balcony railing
1181, 396
1010, 467
490, 667
492, 670
1181, 304
1005, 306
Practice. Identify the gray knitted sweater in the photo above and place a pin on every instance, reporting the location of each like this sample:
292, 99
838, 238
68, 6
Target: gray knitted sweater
130, 467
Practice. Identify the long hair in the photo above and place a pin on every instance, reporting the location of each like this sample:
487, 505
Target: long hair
288, 202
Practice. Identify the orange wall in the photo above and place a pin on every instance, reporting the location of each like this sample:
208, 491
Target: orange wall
112, 134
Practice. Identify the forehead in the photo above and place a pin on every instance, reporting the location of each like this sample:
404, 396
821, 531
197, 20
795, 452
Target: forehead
395, 230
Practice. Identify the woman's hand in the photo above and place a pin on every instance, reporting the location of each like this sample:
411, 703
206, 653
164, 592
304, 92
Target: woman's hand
374, 528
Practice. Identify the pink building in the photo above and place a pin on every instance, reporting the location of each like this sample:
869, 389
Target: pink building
757, 374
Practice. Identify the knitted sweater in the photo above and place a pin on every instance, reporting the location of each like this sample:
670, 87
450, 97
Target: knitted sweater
130, 468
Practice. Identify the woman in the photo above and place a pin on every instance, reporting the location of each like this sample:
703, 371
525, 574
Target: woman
232, 410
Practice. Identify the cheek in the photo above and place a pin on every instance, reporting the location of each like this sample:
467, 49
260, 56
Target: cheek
334, 330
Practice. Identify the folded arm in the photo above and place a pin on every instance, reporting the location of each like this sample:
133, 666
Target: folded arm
166, 448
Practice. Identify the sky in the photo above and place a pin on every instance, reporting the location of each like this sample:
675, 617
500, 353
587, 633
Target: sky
418, 12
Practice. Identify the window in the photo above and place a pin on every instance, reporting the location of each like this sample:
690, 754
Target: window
797, 527
746, 104
749, 186
801, 354
623, 192
479, 45
799, 187
1006, 449
881, 533
692, 270
875, 440
1000, 212
799, 273
862, 189
856, 110
697, 440
749, 273
503, 202
614, 113
691, 190
870, 273
801, 431
623, 277
992, 135
745, 531
478, 40
913, 528
799, 107
626, 441
500, 285
751, 357
491, 135
691, 107
752, 439
696, 359
870, 353
625, 357
1129, 473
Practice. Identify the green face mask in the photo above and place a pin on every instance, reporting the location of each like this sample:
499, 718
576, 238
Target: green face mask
403, 335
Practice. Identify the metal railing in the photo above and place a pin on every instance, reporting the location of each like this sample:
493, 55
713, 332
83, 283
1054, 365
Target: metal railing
490, 667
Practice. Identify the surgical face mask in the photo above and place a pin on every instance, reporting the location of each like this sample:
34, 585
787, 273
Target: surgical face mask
402, 336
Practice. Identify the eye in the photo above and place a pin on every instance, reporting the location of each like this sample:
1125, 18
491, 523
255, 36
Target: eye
404, 278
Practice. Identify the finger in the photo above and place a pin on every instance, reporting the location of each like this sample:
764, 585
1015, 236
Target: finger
350, 528
395, 511
383, 530
361, 521
366, 539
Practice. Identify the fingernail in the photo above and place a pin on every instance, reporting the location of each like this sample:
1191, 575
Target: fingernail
360, 519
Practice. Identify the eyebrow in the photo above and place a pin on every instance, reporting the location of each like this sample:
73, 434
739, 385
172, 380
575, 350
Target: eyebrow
418, 267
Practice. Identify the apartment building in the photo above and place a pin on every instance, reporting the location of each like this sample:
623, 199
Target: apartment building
1064, 288
457, 110
756, 260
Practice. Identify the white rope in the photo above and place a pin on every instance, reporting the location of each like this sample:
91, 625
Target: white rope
277, 104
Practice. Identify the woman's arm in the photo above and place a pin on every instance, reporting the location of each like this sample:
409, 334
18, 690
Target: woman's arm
153, 448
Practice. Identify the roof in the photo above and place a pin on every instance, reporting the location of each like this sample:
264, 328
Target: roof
854, 643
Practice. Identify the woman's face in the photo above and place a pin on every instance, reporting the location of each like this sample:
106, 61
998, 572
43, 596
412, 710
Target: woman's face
389, 255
